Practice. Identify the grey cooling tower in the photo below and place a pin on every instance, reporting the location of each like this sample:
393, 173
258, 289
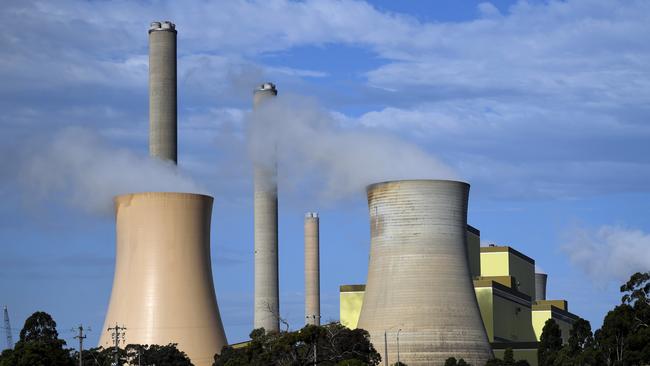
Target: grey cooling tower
419, 279
312, 269
267, 299
540, 286
162, 91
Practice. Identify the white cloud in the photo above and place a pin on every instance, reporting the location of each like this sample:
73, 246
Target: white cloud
608, 253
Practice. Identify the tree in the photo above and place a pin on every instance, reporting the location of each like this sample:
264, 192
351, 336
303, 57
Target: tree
550, 343
39, 345
155, 354
508, 357
451, 361
333, 343
636, 289
462, 362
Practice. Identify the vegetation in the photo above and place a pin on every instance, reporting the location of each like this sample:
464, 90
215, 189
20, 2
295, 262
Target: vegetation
39, 345
333, 344
623, 340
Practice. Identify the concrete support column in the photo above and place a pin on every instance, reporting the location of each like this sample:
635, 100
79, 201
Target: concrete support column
312, 269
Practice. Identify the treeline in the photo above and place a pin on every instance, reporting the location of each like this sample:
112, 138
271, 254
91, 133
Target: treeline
39, 345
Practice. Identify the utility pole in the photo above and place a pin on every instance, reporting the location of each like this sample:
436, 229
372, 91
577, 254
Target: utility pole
386, 349
117, 332
399, 363
81, 338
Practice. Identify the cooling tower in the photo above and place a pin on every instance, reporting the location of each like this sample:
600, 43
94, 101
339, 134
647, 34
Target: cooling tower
419, 279
312, 269
162, 290
540, 286
267, 303
162, 91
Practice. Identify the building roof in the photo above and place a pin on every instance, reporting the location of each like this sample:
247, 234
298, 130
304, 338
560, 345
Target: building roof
497, 249
352, 288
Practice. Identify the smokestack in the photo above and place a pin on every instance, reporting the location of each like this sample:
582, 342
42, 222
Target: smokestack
540, 286
267, 299
162, 91
163, 290
419, 280
312, 269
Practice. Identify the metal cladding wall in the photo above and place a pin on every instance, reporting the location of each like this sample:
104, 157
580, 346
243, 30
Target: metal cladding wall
540, 286
419, 280
163, 290
162, 91
267, 299
312, 269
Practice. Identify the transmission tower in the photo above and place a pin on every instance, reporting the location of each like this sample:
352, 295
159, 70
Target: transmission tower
10, 341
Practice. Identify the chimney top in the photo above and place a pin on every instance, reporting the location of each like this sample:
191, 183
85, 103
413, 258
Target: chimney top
311, 215
164, 25
268, 86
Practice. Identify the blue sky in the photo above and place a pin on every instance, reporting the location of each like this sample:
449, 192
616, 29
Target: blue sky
542, 107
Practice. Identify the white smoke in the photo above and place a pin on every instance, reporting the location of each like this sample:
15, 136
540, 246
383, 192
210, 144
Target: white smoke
79, 168
314, 150
609, 253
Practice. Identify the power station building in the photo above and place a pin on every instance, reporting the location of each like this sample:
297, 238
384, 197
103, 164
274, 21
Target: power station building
432, 291
510, 295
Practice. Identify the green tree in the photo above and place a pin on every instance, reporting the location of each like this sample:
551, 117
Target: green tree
451, 361
550, 343
462, 362
154, 354
333, 343
508, 357
39, 345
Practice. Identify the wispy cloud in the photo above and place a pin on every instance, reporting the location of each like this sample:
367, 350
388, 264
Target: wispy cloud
608, 253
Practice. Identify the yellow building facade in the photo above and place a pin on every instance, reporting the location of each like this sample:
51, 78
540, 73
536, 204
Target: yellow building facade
504, 284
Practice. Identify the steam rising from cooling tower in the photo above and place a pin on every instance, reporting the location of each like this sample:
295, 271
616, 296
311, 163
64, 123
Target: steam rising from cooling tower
312, 269
267, 299
418, 275
162, 91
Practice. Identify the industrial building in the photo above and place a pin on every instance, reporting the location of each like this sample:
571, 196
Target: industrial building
432, 291
510, 295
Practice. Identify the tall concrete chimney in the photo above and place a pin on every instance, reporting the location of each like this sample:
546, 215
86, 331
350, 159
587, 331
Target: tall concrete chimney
540, 286
267, 298
162, 91
312, 269
419, 282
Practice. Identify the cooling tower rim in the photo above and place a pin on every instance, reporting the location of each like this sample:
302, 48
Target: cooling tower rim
375, 185
187, 195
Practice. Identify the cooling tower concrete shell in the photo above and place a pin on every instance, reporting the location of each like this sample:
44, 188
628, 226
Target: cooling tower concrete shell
419, 281
163, 290
162, 91
312, 269
267, 297
540, 286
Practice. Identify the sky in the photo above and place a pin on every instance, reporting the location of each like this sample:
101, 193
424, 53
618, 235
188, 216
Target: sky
542, 106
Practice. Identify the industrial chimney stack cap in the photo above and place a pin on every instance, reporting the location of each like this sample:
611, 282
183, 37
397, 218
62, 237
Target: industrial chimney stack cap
268, 86
311, 215
165, 25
